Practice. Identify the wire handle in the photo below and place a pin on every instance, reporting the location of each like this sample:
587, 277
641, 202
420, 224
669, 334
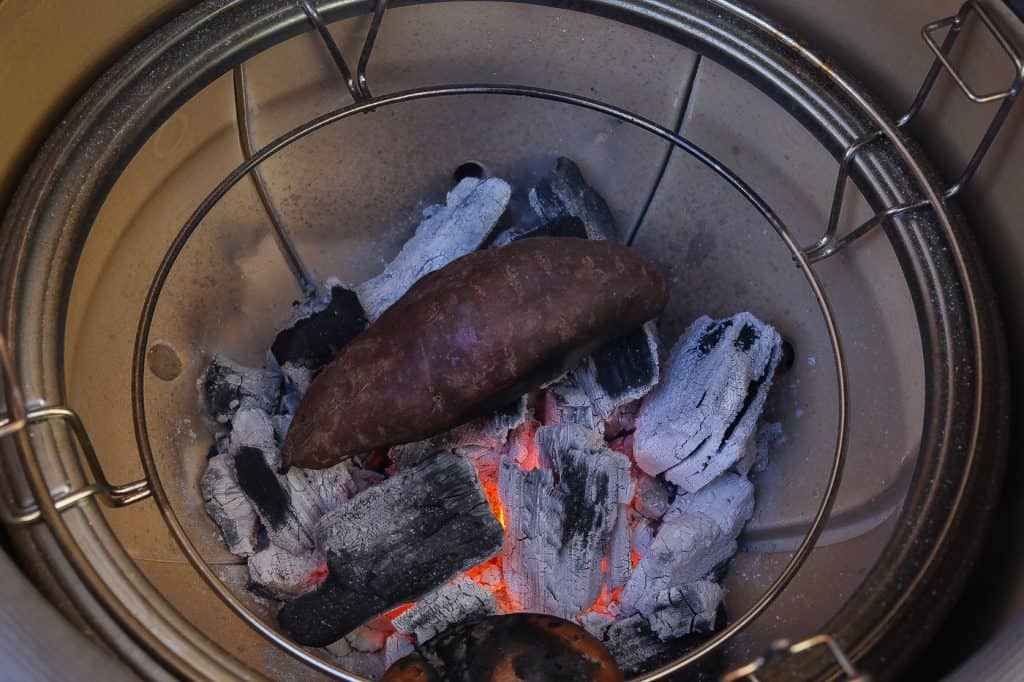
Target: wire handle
19, 417
781, 649
829, 244
357, 86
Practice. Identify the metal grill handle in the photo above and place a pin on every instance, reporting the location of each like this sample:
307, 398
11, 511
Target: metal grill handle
782, 648
19, 417
829, 244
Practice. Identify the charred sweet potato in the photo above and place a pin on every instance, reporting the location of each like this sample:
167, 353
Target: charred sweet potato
469, 338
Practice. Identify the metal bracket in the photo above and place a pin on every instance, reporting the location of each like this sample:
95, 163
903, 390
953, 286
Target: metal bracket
829, 244
19, 417
357, 87
782, 649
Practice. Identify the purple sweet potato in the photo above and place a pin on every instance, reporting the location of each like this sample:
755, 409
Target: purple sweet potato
469, 338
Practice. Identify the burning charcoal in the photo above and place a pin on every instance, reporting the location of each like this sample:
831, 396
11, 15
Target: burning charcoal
558, 534
229, 387
653, 496
521, 646
397, 647
620, 554
283, 515
621, 371
698, 534
362, 650
228, 506
393, 543
479, 440
455, 229
324, 327
449, 604
285, 575
679, 611
468, 339
700, 419
564, 192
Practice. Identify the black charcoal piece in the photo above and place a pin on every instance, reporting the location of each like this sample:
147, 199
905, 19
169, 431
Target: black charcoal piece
314, 340
228, 387
393, 543
561, 226
701, 418
564, 192
638, 649
262, 486
626, 364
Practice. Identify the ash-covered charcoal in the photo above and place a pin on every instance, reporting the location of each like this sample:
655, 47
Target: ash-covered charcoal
697, 535
480, 440
285, 517
622, 421
285, 575
228, 387
323, 328
729, 500
459, 600
520, 646
567, 402
653, 496
471, 210
679, 611
642, 532
701, 417
254, 428
638, 649
564, 192
558, 534
397, 647
228, 506
362, 650
620, 554
393, 543
621, 371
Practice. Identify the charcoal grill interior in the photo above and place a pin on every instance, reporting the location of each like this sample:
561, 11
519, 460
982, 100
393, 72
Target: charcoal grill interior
349, 193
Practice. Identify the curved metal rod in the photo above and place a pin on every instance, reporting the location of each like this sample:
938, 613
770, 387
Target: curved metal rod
153, 294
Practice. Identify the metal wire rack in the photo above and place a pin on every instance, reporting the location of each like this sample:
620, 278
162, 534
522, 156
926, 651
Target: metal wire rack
50, 503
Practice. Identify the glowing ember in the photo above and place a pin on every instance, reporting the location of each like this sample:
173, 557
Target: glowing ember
395, 613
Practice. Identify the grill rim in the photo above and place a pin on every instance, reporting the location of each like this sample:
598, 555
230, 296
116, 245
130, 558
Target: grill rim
41, 216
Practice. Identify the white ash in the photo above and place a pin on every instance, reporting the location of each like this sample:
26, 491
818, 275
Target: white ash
454, 602
253, 427
397, 647
299, 378
228, 506
679, 611
228, 387
471, 210
362, 650
698, 534
653, 496
701, 417
285, 575
729, 500
642, 532
769, 436
557, 534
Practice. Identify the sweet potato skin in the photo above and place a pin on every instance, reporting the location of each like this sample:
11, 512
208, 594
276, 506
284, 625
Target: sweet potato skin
483, 329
